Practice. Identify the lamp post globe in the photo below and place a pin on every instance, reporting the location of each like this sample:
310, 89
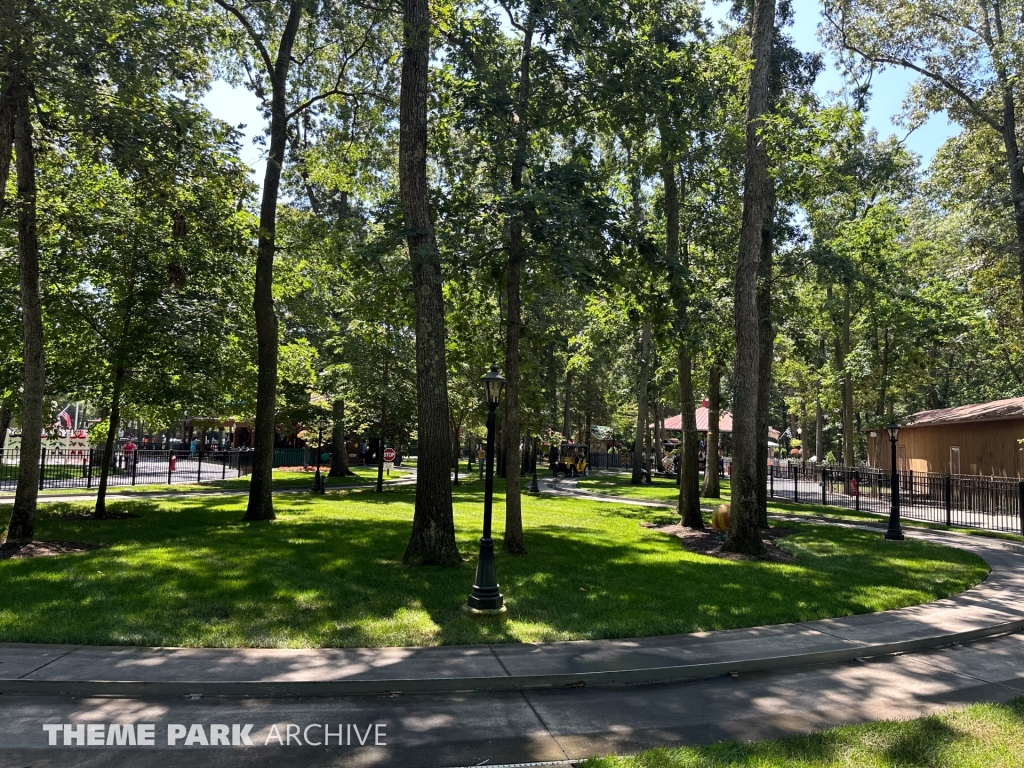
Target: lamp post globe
486, 599
894, 532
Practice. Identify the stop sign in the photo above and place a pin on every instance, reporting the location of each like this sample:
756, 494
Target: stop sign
389, 454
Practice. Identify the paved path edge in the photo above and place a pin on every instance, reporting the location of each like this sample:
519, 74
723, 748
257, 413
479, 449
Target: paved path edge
649, 675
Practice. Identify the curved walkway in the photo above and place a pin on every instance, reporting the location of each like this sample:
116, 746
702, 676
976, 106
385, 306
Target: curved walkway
996, 606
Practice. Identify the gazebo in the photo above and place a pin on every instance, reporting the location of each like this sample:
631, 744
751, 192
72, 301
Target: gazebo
675, 424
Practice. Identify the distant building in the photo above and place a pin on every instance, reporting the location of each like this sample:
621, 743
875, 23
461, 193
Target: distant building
674, 424
980, 439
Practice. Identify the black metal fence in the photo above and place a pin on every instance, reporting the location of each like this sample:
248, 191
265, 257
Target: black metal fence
609, 460
81, 468
966, 501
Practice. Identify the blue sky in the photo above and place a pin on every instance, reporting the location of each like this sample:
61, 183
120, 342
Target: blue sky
236, 105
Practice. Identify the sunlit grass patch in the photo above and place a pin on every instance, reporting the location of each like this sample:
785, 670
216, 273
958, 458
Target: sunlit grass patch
978, 736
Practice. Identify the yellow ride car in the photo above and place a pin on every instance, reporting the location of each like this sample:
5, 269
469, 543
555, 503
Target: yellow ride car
572, 460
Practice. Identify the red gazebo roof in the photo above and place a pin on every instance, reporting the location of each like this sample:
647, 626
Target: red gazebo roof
675, 423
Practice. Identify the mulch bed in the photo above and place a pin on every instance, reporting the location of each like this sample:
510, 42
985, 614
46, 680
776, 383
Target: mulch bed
43, 549
709, 542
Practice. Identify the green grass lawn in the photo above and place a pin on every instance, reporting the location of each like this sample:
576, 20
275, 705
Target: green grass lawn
328, 572
618, 484
660, 489
978, 736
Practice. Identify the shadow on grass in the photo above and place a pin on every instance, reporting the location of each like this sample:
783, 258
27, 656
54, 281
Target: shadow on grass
328, 572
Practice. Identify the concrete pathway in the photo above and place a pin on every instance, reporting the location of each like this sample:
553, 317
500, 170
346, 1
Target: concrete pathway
494, 729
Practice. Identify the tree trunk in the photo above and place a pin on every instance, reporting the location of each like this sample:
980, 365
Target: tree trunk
567, 411
656, 414
689, 469
339, 451
108, 446
883, 375
712, 489
5, 424
677, 256
847, 384
766, 341
22, 524
6, 143
805, 429
433, 529
1009, 136
819, 429
513, 540
744, 531
552, 383
261, 500
641, 416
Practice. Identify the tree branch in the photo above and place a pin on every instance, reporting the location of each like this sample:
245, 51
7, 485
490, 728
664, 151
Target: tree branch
952, 87
511, 17
251, 31
321, 96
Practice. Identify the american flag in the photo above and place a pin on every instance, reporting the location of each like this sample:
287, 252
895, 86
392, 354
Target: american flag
64, 418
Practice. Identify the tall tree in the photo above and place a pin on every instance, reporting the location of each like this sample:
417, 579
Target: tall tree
744, 532
433, 530
969, 59
266, 31
511, 432
643, 381
712, 488
18, 90
307, 64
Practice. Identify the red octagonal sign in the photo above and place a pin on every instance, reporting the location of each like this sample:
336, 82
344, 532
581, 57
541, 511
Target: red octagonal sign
389, 454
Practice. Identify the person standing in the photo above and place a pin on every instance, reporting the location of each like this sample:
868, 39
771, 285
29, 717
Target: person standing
129, 453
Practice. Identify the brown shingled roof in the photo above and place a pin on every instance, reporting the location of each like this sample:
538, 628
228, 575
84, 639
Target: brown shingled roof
997, 410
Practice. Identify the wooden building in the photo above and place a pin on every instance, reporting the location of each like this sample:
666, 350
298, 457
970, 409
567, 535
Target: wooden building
981, 439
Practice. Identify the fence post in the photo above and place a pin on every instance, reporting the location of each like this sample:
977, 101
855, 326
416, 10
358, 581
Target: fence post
88, 482
771, 480
42, 468
910, 485
223, 466
1020, 504
199, 468
856, 478
948, 493
170, 460
824, 486
134, 459
796, 485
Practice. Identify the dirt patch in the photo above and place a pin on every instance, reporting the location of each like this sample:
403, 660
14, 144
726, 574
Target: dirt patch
14, 551
709, 542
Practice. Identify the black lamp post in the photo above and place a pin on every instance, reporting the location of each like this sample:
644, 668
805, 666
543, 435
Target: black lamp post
485, 598
894, 533
534, 488
319, 486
